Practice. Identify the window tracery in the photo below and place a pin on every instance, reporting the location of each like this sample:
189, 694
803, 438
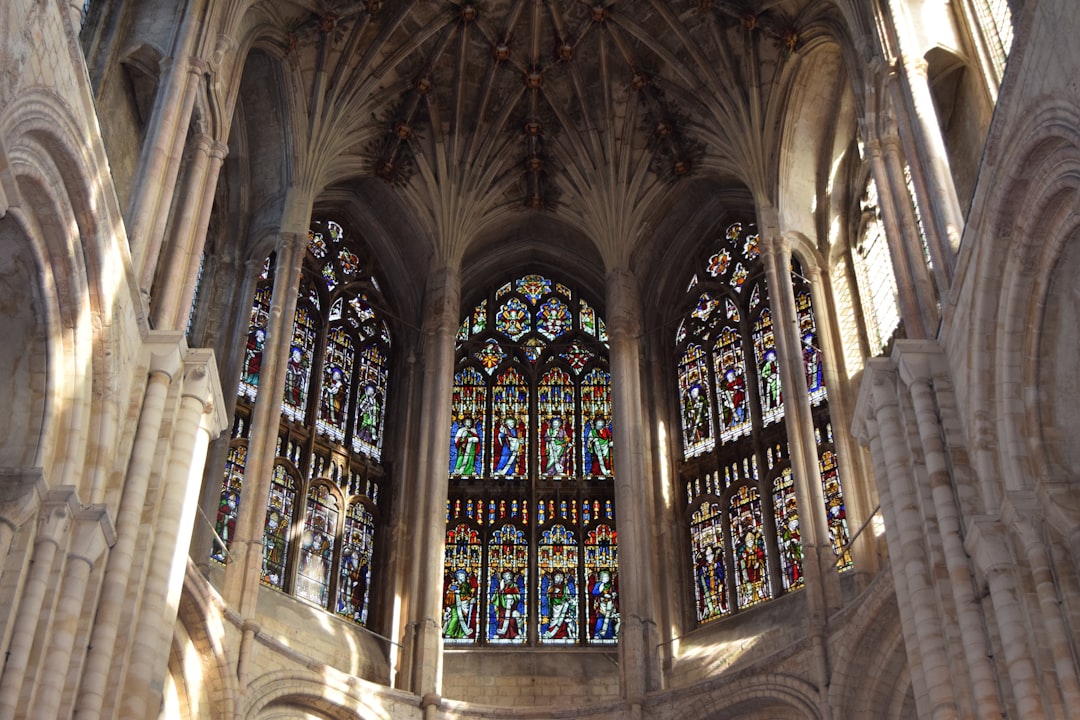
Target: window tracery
531, 545
742, 515
323, 512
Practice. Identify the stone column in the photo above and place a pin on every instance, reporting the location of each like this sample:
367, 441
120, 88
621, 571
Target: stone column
857, 497
177, 285
918, 363
199, 417
244, 573
54, 520
1050, 607
910, 309
429, 521
21, 492
638, 635
934, 171
904, 520
912, 239
159, 164
988, 545
93, 532
867, 429
819, 561
165, 351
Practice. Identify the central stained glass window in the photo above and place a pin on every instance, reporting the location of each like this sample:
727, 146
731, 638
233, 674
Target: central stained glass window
531, 547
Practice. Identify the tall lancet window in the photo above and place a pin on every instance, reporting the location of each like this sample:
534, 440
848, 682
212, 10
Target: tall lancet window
741, 511
531, 547
324, 508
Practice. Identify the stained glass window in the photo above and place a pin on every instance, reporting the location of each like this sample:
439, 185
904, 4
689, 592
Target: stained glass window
507, 560
256, 342
530, 513
354, 570
278, 527
323, 514
741, 508
317, 545
461, 585
229, 505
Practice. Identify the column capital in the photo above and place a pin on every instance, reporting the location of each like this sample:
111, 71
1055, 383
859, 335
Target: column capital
93, 532
57, 509
202, 384
987, 543
918, 360
166, 349
21, 493
878, 374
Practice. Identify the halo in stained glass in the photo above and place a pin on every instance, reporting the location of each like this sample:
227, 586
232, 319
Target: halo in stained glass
732, 399
772, 405
513, 319
553, 318
555, 403
597, 437
370, 413
533, 287
491, 355
694, 398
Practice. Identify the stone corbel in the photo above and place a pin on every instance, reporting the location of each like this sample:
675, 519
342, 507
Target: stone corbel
202, 383
57, 509
22, 491
93, 533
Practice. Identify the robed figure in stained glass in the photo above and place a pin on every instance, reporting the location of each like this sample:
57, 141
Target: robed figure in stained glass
598, 448
459, 613
253, 354
556, 447
467, 446
367, 412
506, 605
712, 597
508, 445
559, 605
604, 610
696, 416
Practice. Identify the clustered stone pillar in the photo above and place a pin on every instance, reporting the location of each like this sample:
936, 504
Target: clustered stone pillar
244, 572
199, 417
160, 161
900, 506
54, 518
92, 533
819, 560
638, 634
165, 351
424, 644
177, 286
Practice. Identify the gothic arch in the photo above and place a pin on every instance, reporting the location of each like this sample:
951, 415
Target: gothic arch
336, 698
775, 696
1025, 241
